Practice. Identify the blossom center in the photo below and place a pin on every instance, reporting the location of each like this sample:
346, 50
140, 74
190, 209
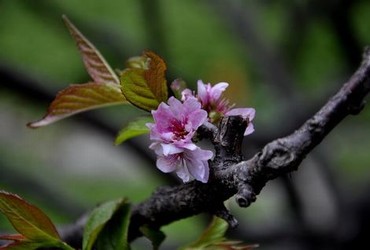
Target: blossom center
178, 128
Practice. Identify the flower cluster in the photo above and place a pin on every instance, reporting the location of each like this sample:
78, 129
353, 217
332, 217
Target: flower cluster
172, 133
176, 123
216, 106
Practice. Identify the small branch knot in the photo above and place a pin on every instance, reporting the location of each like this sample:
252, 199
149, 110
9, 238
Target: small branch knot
245, 195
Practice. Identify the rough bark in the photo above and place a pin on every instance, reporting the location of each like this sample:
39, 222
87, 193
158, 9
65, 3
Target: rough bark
232, 175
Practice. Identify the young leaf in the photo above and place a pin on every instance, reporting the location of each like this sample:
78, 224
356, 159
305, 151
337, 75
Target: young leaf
95, 64
155, 236
35, 228
23, 245
107, 225
144, 83
27, 219
213, 238
134, 128
105, 90
78, 98
36, 245
213, 234
115, 232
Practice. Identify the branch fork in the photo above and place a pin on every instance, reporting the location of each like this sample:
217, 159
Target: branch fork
232, 175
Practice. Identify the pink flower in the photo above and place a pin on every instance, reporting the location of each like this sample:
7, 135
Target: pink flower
172, 133
176, 122
216, 106
210, 97
187, 164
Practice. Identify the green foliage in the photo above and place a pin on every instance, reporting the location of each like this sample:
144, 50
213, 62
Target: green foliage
214, 238
134, 128
95, 64
35, 228
107, 226
79, 98
144, 83
103, 91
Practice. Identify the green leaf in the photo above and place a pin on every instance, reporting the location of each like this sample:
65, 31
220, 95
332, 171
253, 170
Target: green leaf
104, 90
34, 245
95, 64
27, 219
144, 83
115, 232
35, 228
213, 234
213, 238
78, 98
155, 236
133, 129
107, 226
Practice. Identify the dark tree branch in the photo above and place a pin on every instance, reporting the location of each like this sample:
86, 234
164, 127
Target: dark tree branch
247, 178
231, 175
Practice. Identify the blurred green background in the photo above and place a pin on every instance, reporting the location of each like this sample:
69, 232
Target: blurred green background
284, 58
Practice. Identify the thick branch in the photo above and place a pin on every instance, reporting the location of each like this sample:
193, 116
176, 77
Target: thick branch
246, 178
232, 176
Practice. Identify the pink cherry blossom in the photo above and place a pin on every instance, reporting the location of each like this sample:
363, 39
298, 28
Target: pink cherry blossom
177, 122
174, 126
187, 164
211, 97
216, 106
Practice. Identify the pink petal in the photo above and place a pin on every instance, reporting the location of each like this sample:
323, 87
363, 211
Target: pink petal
249, 130
198, 169
176, 107
190, 146
216, 90
197, 163
167, 164
244, 112
185, 94
183, 173
202, 92
170, 149
197, 118
162, 116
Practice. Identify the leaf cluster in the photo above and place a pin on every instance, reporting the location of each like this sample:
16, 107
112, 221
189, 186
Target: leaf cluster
142, 83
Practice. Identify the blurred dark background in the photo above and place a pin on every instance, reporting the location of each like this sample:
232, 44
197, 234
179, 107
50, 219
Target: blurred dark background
284, 58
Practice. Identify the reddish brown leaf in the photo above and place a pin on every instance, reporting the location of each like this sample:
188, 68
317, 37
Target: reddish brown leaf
78, 98
95, 64
155, 76
13, 237
144, 83
27, 219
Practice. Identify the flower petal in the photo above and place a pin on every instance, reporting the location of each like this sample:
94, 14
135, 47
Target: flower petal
183, 173
249, 130
202, 92
197, 163
200, 171
216, 91
185, 94
168, 164
244, 112
170, 149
